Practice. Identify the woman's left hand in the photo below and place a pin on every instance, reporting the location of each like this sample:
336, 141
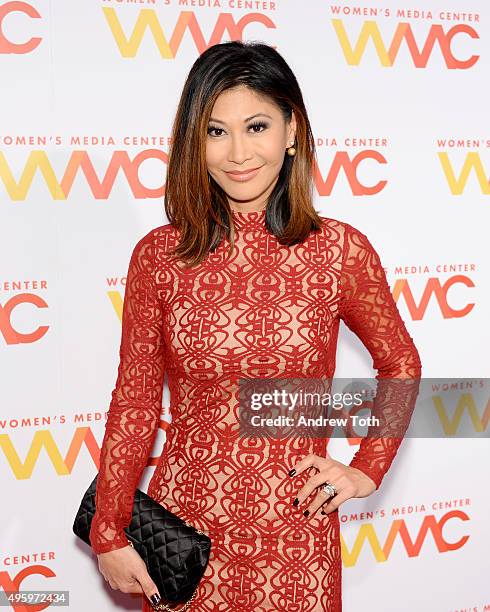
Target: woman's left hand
348, 481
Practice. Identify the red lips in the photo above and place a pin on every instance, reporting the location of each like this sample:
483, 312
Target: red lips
242, 171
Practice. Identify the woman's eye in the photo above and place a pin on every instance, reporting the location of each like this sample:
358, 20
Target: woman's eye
257, 128
210, 129
258, 125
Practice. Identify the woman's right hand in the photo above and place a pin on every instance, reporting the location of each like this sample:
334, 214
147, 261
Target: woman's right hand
126, 571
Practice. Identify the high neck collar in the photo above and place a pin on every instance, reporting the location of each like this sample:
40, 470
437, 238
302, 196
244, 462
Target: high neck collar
250, 218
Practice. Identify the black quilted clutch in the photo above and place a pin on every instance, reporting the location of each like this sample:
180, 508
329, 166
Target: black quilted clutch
175, 552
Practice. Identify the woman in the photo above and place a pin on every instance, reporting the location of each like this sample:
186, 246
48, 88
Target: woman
246, 281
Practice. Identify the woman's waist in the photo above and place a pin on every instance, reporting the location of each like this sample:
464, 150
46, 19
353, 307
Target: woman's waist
234, 496
273, 527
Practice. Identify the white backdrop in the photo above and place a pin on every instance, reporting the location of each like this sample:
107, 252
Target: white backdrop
400, 114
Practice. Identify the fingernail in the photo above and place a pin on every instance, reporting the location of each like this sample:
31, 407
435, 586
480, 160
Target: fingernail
306, 512
155, 599
296, 501
292, 472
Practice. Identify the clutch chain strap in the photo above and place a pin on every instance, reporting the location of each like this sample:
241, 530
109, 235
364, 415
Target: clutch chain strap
162, 606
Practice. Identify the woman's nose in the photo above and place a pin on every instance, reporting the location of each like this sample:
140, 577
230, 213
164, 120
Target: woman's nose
239, 149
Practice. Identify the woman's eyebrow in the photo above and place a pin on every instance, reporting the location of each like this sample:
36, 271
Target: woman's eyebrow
247, 119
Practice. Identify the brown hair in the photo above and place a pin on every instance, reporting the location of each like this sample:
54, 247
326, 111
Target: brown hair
194, 203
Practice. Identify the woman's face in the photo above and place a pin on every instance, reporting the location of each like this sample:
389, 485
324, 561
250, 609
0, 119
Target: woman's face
247, 132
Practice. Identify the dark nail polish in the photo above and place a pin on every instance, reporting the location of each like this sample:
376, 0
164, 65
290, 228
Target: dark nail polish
296, 501
155, 599
306, 512
292, 472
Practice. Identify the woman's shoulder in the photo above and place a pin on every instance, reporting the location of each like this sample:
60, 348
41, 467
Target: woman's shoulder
353, 241
338, 224
158, 237
336, 229
346, 231
153, 247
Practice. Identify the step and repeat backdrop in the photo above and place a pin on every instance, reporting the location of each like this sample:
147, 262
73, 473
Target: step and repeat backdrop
398, 99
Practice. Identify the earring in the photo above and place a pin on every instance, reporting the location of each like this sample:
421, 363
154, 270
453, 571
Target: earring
291, 151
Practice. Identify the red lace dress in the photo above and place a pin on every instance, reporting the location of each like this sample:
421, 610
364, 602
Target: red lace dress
271, 311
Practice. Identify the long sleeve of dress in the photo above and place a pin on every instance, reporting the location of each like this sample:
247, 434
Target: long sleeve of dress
135, 407
367, 307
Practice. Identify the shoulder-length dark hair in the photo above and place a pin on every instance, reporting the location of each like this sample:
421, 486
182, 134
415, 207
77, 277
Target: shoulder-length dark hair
194, 203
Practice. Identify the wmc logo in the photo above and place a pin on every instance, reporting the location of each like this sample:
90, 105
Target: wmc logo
8, 12
10, 334
80, 162
436, 290
43, 440
403, 34
399, 532
168, 43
